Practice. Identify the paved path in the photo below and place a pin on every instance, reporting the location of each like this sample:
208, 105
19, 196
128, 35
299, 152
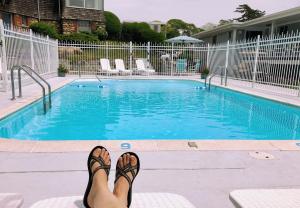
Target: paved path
203, 177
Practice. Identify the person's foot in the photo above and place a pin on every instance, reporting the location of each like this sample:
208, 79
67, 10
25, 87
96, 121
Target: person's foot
100, 178
122, 185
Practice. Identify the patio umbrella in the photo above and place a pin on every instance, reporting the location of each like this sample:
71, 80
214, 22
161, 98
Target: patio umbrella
184, 39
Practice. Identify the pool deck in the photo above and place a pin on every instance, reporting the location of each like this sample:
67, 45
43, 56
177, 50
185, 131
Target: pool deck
205, 178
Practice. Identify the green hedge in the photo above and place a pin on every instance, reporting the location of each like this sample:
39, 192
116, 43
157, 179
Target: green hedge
44, 29
80, 36
140, 32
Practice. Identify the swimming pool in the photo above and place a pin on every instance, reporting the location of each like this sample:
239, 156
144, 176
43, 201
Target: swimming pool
152, 109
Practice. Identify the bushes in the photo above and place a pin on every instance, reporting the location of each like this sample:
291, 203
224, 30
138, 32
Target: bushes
101, 33
81, 36
136, 32
113, 26
140, 32
44, 29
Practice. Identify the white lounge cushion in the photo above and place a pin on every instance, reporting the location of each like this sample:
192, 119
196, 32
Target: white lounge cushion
266, 198
105, 66
140, 200
121, 66
9, 200
141, 66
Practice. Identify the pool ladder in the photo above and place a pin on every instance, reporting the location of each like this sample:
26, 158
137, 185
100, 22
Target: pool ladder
212, 75
37, 78
209, 80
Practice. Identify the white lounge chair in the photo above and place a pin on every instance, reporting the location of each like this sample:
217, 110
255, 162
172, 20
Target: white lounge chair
266, 198
9, 200
141, 67
105, 67
141, 200
121, 67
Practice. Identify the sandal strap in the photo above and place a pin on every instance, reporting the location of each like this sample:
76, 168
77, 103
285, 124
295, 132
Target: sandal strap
123, 172
102, 166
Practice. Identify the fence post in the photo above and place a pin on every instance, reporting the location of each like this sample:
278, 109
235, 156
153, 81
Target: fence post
227, 61
48, 55
56, 65
207, 58
256, 61
31, 50
172, 59
106, 50
130, 55
3, 61
148, 55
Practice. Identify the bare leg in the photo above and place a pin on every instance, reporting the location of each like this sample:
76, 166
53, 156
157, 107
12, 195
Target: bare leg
122, 186
100, 196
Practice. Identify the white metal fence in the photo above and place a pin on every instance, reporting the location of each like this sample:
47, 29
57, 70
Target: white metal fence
23, 47
271, 63
165, 59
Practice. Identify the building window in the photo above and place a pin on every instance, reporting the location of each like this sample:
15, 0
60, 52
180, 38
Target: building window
24, 21
84, 26
76, 3
214, 40
229, 35
7, 19
283, 29
88, 4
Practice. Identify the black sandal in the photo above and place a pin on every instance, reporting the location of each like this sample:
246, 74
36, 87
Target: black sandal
90, 162
123, 173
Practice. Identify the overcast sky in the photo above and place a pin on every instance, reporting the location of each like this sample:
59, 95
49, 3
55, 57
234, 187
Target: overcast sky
198, 12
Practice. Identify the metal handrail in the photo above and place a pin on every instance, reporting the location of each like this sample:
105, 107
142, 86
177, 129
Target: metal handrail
24, 68
212, 76
41, 78
209, 80
98, 78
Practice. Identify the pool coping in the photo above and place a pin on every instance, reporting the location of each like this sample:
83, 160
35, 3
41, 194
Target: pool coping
14, 145
23, 146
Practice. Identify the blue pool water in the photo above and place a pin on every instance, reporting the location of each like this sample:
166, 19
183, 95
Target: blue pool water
152, 109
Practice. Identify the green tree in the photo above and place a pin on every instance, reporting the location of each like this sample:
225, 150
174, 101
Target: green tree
113, 25
225, 22
248, 13
140, 32
176, 26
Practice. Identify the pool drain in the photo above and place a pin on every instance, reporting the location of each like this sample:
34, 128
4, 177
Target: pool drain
192, 145
261, 155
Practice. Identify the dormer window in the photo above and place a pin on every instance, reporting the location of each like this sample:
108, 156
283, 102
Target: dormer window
87, 4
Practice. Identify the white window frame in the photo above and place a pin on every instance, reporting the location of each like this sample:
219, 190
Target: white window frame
84, 7
89, 26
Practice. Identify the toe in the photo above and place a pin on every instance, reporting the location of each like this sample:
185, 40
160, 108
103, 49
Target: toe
120, 162
124, 160
106, 158
127, 158
133, 160
97, 152
102, 153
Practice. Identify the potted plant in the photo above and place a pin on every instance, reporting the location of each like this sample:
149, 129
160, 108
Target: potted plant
204, 73
62, 70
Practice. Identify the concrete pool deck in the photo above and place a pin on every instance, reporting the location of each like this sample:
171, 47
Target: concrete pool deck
205, 178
